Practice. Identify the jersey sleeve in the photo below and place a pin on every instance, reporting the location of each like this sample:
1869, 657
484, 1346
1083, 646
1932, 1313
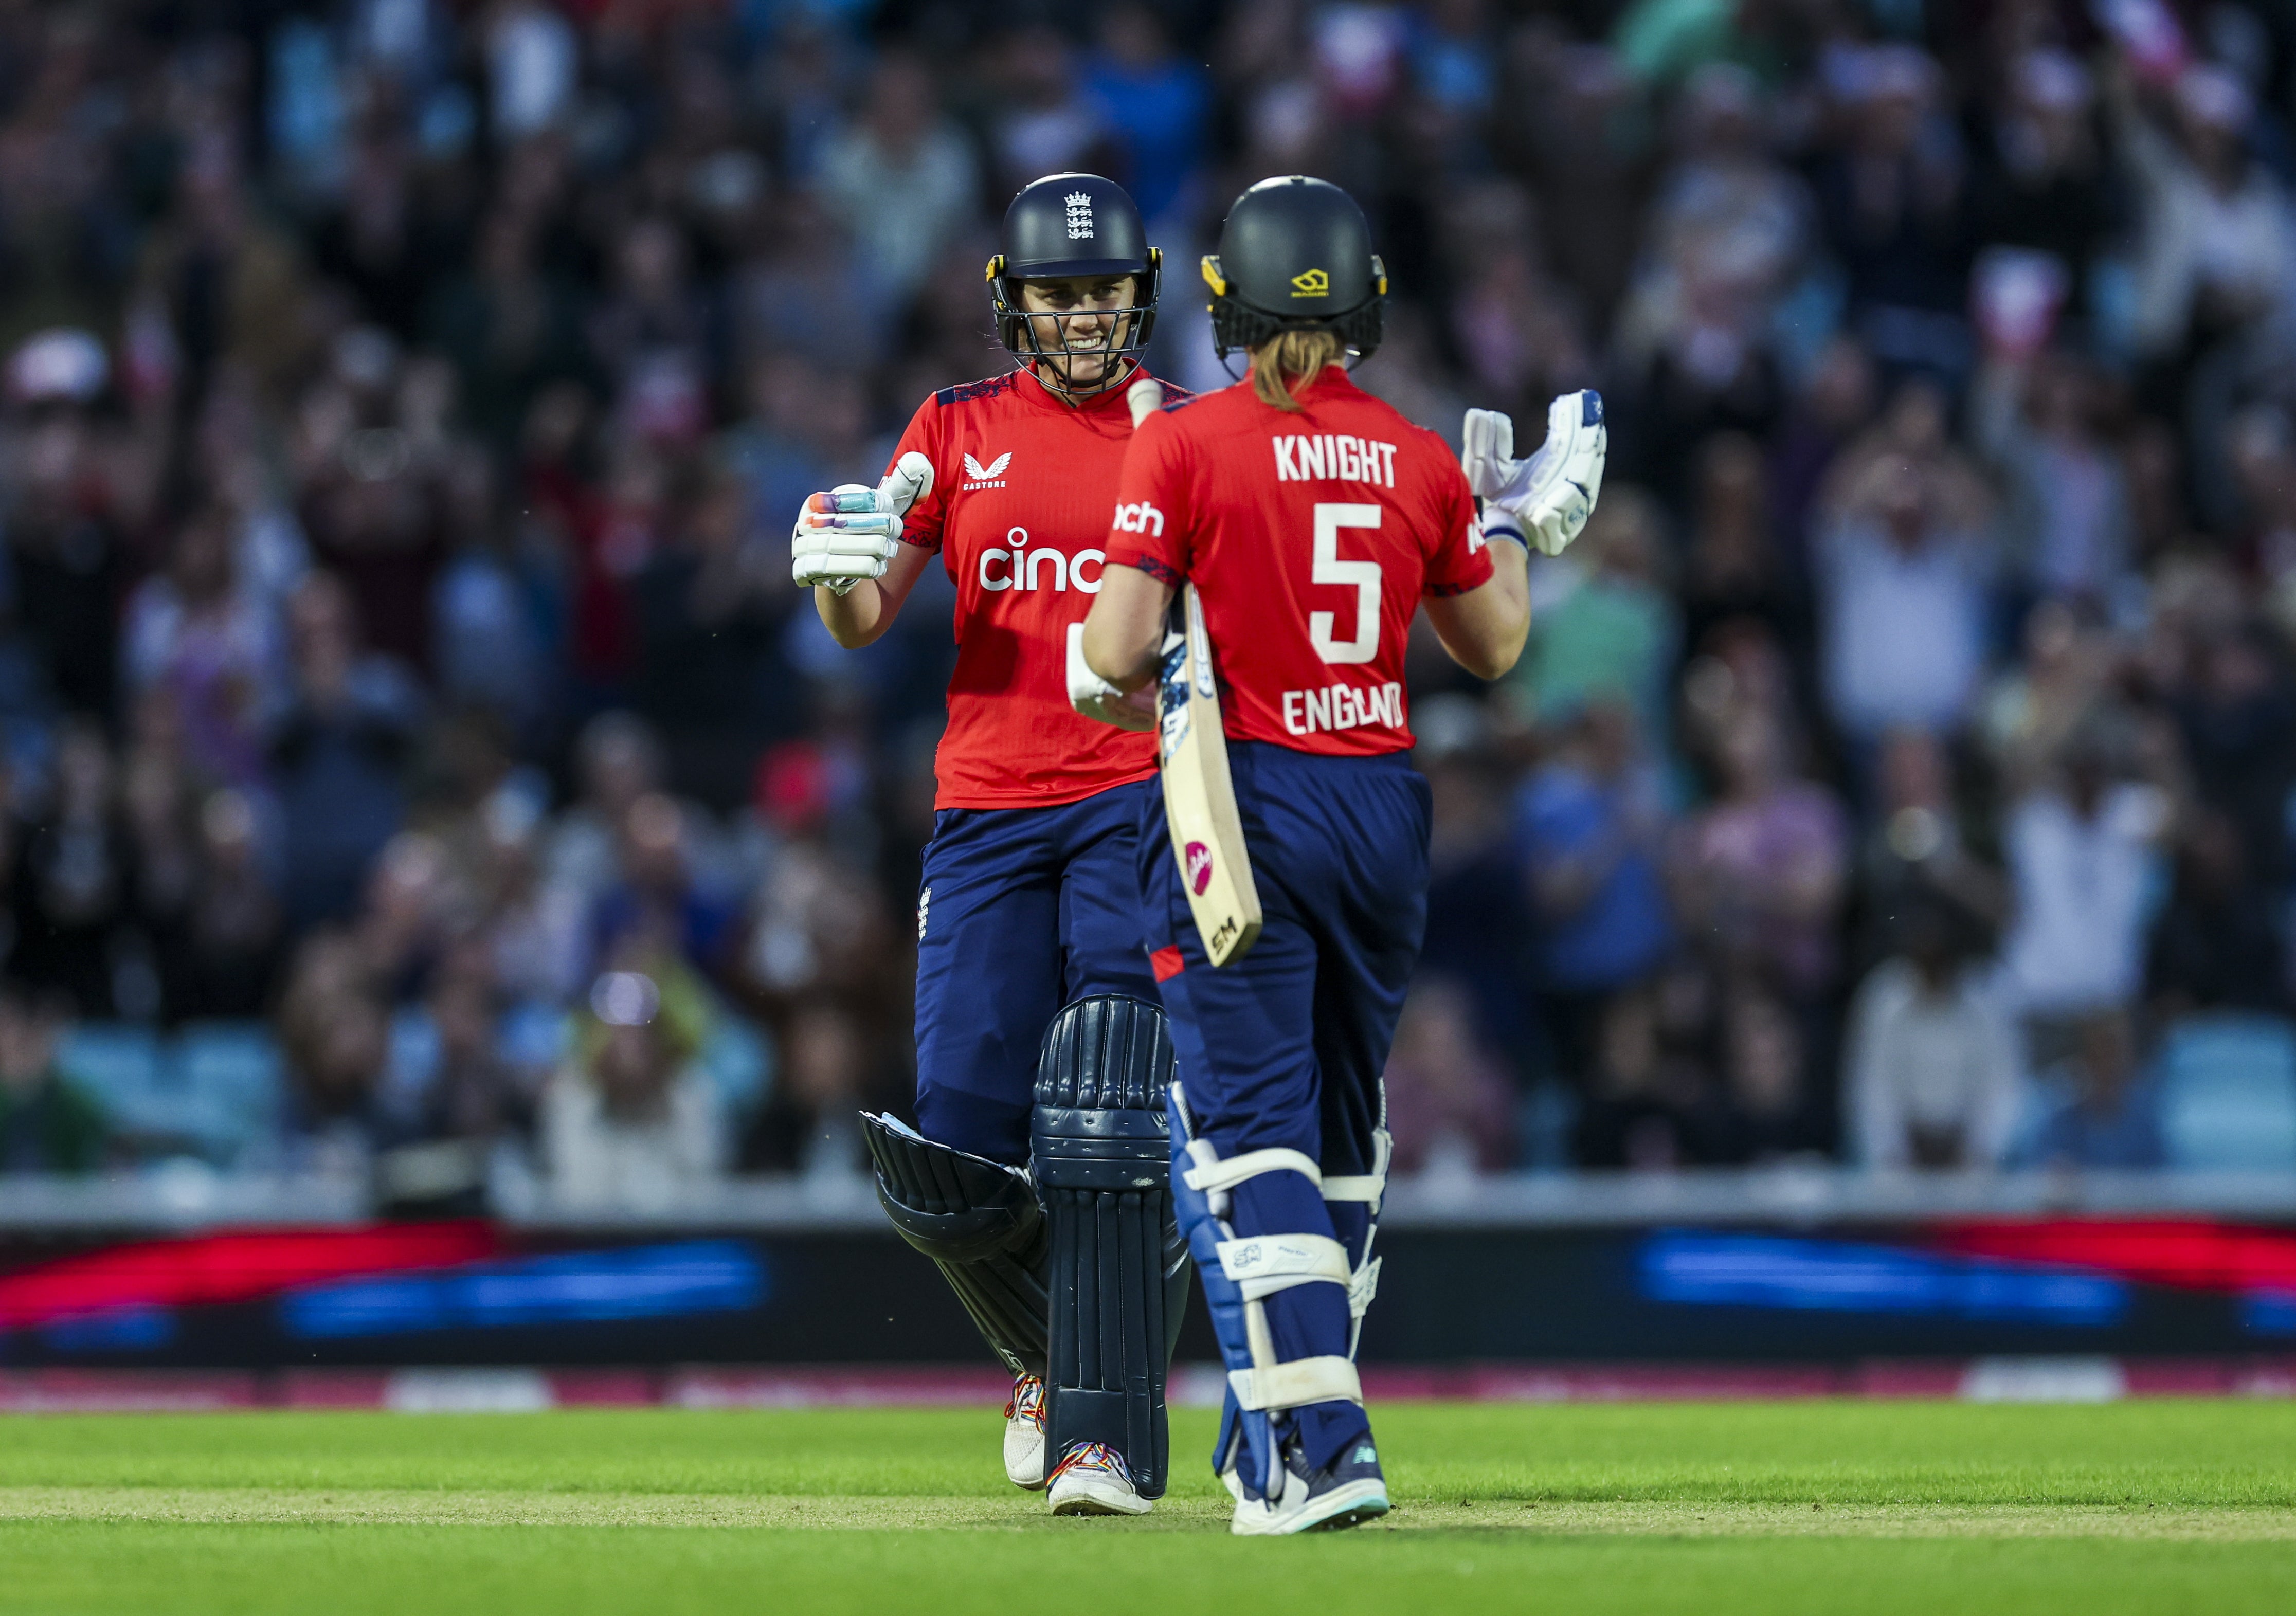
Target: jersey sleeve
1154, 504
922, 527
1460, 560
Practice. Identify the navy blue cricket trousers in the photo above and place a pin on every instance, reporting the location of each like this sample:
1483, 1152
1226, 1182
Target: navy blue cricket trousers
1022, 911
1285, 1047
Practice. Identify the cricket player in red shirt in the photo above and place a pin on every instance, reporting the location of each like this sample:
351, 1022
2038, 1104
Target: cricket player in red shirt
1314, 522
1037, 1175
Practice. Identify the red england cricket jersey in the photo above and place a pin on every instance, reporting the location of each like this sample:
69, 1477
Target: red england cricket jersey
1022, 483
1311, 538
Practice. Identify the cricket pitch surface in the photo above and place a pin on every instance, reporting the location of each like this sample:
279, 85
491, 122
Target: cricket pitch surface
2154, 1506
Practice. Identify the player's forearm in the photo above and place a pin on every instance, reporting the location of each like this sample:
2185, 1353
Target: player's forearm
1483, 630
861, 615
856, 618
1126, 627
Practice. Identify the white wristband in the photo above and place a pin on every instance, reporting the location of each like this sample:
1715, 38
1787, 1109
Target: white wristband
1506, 531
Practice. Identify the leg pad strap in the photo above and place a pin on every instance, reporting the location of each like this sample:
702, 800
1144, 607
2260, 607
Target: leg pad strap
1302, 1381
1213, 1173
1365, 1187
1268, 1263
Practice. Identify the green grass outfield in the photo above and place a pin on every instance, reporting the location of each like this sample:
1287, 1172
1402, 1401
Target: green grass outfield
1717, 1509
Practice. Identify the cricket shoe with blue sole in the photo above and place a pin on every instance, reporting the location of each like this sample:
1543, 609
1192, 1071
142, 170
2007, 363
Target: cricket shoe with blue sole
1349, 1491
1093, 1480
1024, 1433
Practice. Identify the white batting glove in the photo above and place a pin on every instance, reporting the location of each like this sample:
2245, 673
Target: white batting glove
1544, 500
849, 532
1096, 698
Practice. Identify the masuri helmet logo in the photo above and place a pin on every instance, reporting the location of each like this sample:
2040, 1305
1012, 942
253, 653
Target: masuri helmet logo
1310, 283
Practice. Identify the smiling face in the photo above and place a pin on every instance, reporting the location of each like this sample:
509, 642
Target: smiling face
1075, 324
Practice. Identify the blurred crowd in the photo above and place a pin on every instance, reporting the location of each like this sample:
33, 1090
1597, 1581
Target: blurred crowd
406, 402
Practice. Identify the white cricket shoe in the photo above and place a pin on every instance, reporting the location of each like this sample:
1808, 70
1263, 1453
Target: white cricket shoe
1095, 1481
1024, 1433
1347, 1492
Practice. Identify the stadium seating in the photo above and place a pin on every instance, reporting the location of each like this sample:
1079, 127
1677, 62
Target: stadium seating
118, 1067
233, 1079
740, 1060
2228, 1093
211, 1091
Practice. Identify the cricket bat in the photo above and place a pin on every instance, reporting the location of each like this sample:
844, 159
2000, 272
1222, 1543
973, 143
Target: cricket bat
1192, 747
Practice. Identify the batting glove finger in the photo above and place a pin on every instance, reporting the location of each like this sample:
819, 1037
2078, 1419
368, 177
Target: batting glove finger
1567, 479
839, 572
910, 480
838, 558
1552, 494
841, 536
1488, 455
851, 507
847, 535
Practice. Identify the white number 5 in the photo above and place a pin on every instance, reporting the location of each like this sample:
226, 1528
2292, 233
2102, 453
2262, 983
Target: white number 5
1364, 575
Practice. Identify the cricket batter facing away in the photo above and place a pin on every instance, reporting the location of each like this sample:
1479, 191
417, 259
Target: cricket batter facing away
1038, 1174
1311, 521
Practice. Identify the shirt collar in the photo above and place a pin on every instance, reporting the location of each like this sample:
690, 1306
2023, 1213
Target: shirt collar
1332, 378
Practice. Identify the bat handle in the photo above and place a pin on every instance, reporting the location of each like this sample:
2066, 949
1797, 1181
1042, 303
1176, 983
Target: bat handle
1146, 397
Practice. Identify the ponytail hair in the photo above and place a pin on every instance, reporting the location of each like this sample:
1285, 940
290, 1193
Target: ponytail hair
1292, 358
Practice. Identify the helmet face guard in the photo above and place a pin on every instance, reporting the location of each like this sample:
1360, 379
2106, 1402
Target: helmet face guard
1125, 334
1074, 227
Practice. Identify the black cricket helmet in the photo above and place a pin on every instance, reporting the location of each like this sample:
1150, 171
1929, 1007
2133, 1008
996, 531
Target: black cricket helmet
1071, 225
1295, 254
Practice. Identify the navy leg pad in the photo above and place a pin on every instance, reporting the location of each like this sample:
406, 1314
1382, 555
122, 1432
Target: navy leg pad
1119, 1275
979, 1221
